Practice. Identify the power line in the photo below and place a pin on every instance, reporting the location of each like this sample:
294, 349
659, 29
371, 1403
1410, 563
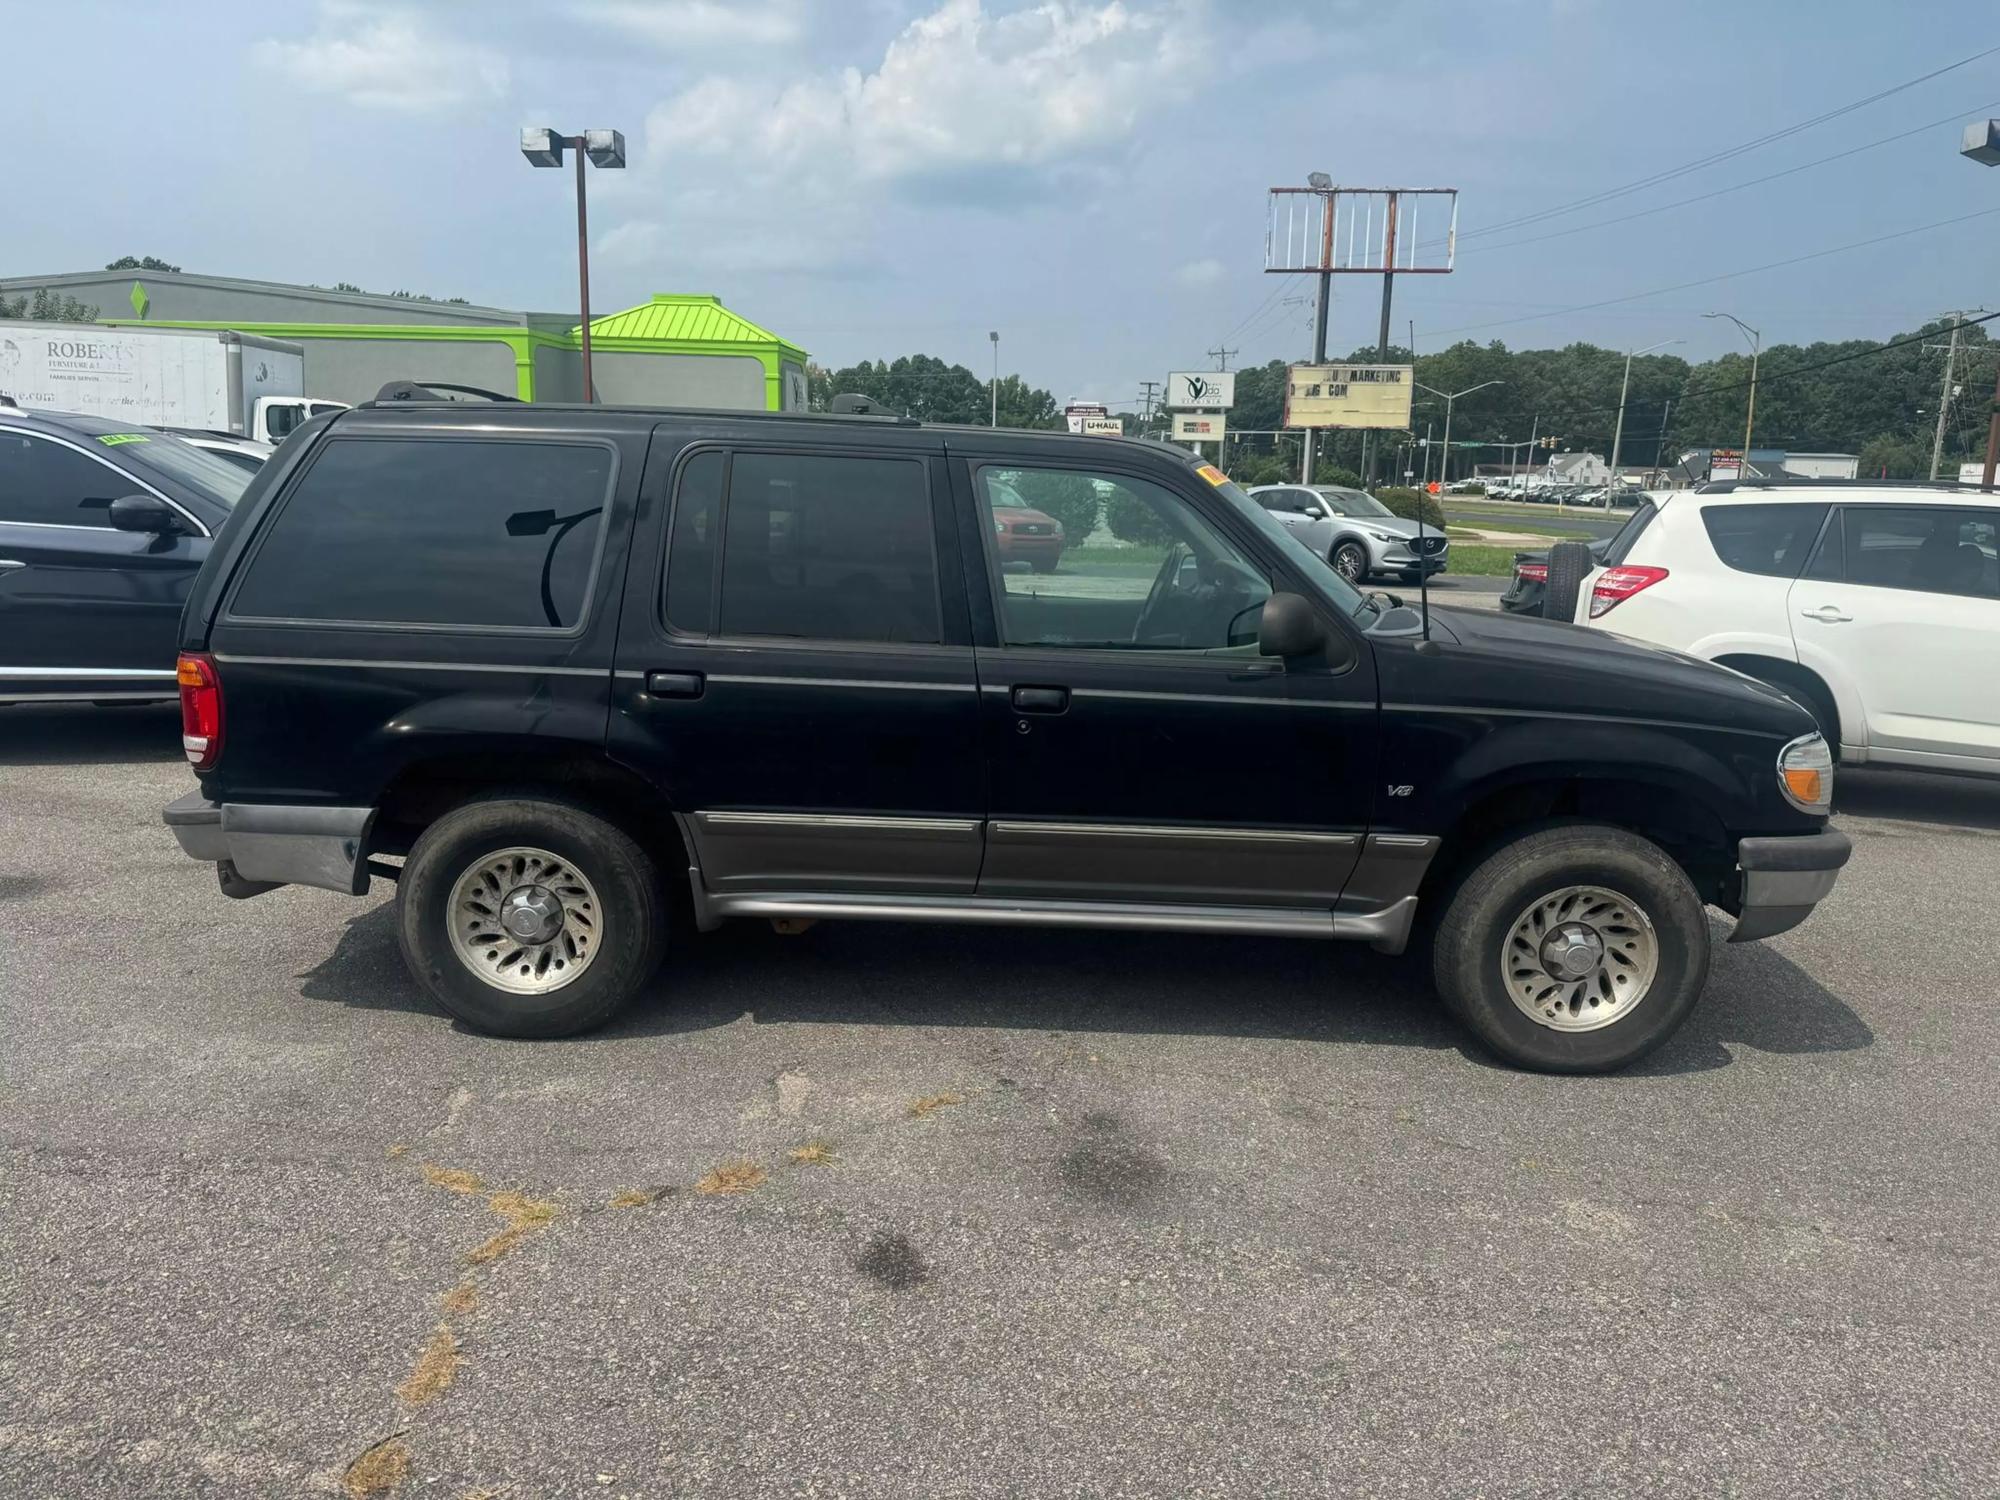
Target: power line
1681, 286
1739, 186
1714, 158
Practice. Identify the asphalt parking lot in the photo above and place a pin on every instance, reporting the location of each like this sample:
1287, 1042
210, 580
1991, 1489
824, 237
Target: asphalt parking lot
1075, 1214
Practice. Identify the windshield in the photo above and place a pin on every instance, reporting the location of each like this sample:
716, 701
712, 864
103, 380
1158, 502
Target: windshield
1307, 561
186, 464
1354, 503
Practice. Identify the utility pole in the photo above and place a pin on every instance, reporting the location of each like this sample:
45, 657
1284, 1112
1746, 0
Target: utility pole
1944, 395
995, 337
1660, 446
1618, 434
1319, 341
1750, 415
1222, 357
1148, 387
1382, 336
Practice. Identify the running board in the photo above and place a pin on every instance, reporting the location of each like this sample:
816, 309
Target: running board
1388, 929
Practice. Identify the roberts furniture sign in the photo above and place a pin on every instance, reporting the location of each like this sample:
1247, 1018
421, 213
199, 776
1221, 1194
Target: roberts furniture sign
1348, 395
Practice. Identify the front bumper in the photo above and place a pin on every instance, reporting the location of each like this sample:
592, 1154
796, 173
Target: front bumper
1394, 557
1784, 879
255, 846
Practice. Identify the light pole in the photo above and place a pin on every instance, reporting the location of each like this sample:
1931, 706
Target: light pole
1750, 416
1982, 144
605, 148
1618, 433
995, 336
1320, 183
1444, 453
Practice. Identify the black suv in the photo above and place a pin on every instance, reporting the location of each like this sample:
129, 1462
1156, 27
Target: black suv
601, 678
103, 526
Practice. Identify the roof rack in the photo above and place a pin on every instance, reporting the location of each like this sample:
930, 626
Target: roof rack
430, 390
1805, 482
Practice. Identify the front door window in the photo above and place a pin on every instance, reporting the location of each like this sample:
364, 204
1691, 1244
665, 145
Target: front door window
1108, 562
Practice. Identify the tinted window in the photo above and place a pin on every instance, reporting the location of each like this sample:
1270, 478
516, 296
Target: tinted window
202, 471
828, 549
1768, 539
1165, 580
1629, 534
691, 549
437, 532
50, 485
1937, 551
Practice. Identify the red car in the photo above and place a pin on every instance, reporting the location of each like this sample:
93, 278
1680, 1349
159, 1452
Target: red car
1029, 536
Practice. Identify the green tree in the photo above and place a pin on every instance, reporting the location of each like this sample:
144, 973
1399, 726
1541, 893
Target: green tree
140, 263
1410, 503
1070, 498
1023, 405
1133, 520
46, 306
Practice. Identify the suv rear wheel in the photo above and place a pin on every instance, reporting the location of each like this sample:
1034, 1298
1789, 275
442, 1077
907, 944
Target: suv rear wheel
1573, 950
528, 918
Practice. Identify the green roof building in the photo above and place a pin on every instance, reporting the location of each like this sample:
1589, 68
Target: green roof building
679, 349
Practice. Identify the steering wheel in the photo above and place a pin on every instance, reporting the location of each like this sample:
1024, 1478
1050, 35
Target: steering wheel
1164, 583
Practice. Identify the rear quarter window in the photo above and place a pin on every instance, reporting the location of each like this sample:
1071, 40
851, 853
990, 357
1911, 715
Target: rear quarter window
1771, 540
437, 532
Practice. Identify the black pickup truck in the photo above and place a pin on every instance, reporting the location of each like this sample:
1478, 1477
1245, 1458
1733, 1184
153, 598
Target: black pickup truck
584, 681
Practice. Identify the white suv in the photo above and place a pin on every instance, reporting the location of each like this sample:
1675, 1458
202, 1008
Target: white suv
1877, 607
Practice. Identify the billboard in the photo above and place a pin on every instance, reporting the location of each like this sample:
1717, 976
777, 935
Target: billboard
1725, 463
1201, 390
1102, 427
1198, 427
1348, 395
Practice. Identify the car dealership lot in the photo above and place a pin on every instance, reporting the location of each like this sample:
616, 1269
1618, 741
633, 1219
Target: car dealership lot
1100, 1215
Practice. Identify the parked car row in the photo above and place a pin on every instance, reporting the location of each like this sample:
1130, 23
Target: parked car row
1601, 497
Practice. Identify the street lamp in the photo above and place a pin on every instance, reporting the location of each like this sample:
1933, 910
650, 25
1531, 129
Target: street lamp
1982, 144
995, 336
1749, 416
1444, 453
1618, 433
605, 148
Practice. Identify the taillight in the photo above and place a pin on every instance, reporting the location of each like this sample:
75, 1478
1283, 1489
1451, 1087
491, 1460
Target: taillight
201, 709
1615, 585
1532, 572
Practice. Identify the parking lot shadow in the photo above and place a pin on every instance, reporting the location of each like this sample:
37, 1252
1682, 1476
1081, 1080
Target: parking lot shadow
1918, 797
80, 735
867, 974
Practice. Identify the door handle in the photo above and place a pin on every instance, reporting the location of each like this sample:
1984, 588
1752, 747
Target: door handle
1041, 700
674, 684
1826, 614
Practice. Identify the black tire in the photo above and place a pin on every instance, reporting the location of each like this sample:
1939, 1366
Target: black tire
1043, 567
1350, 561
1569, 564
1410, 580
631, 932
1471, 941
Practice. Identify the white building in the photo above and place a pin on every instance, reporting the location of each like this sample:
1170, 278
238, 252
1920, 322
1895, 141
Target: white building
1822, 465
1586, 469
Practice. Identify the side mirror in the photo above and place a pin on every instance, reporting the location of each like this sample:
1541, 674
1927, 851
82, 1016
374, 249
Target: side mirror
146, 513
1289, 627
1315, 513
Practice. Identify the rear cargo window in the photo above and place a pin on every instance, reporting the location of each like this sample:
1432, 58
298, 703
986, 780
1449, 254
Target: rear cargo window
438, 532
1629, 534
1769, 539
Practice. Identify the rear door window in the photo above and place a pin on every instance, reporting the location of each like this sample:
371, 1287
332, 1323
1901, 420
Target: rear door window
826, 547
1929, 549
1772, 540
440, 532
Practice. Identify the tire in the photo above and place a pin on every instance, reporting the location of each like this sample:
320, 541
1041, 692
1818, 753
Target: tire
1043, 567
1515, 879
1410, 580
621, 927
1350, 561
1815, 700
1569, 564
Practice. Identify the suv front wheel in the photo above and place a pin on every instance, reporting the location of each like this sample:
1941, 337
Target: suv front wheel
528, 918
1574, 950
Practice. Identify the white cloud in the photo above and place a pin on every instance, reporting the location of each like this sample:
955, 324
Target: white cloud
680, 25
387, 60
1200, 272
958, 91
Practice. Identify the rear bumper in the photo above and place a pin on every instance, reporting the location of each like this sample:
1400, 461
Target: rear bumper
258, 846
1784, 879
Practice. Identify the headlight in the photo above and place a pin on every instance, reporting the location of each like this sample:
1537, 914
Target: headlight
1383, 536
1805, 774
1059, 531
1001, 527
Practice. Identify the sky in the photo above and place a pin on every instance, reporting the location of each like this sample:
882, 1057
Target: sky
870, 178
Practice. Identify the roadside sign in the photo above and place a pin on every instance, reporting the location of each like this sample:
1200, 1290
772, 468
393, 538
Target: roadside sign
1349, 395
1201, 390
1076, 411
1102, 427
1198, 427
1725, 463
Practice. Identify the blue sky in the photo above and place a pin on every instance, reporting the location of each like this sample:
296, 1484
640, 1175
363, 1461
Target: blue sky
875, 177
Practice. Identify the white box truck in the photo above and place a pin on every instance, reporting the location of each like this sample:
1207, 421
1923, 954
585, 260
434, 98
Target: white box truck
160, 377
